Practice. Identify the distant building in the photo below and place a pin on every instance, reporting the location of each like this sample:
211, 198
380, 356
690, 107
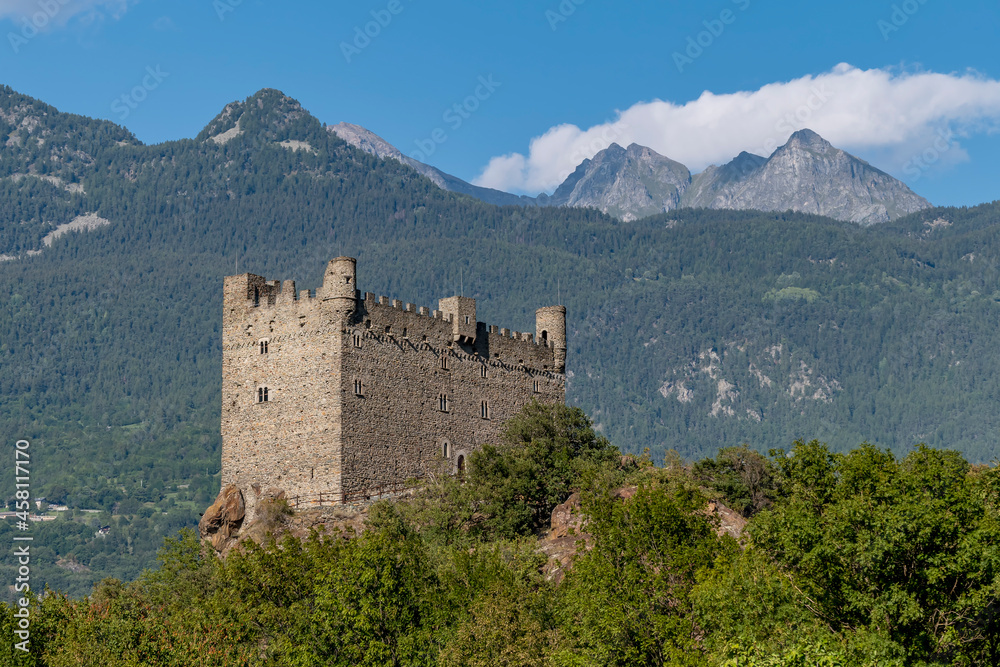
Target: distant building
333, 396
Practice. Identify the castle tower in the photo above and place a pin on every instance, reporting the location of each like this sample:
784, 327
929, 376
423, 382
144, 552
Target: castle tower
340, 284
550, 330
333, 397
462, 311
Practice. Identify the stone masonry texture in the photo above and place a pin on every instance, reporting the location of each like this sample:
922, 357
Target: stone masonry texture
333, 396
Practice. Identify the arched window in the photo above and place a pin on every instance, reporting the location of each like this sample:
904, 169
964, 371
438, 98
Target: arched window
460, 464
482, 371
443, 402
446, 449
262, 395
264, 346
484, 410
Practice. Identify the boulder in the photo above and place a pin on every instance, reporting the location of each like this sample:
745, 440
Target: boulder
223, 519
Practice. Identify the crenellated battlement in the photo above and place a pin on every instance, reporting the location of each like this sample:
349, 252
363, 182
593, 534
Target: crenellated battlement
335, 391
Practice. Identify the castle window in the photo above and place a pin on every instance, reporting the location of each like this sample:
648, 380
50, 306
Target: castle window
404, 332
460, 464
357, 340
545, 335
446, 449
262, 394
482, 371
534, 386
388, 328
256, 296
368, 324
466, 319
484, 410
263, 346
359, 389
443, 402
444, 362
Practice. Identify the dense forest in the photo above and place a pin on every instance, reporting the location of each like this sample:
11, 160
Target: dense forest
688, 332
848, 559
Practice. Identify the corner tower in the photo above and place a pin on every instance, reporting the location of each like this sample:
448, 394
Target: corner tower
340, 285
550, 330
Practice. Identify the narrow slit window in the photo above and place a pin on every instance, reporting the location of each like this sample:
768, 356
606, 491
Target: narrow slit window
359, 388
484, 410
482, 371
443, 402
357, 340
534, 386
444, 362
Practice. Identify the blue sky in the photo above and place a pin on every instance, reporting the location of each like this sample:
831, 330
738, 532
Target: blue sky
908, 79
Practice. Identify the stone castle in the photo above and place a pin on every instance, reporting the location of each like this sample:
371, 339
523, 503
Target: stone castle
334, 397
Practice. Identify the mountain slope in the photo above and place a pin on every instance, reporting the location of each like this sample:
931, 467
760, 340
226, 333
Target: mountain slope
370, 142
688, 330
627, 183
809, 175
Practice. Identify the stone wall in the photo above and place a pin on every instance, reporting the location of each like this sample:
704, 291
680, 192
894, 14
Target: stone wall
290, 441
407, 365
365, 394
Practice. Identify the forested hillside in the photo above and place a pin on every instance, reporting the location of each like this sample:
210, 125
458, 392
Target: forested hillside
583, 557
688, 331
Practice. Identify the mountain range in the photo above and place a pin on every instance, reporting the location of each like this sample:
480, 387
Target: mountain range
688, 330
807, 174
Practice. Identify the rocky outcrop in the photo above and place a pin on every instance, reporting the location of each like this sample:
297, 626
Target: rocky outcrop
224, 518
627, 183
233, 519
807, 175
726, 521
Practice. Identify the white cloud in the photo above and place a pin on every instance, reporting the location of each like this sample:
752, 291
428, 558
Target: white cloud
45, 14
894, 114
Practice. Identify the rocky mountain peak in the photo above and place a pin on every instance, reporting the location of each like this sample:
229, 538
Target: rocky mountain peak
268, 114
628, 183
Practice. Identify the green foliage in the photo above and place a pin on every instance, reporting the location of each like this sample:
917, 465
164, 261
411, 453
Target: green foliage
861, 559
744, 479
510, 489
887, 546
627, 599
